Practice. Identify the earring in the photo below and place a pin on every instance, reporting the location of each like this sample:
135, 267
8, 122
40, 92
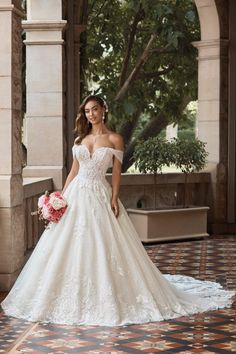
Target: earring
103, 117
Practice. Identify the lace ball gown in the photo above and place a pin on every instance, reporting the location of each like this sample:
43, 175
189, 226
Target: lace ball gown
91, 267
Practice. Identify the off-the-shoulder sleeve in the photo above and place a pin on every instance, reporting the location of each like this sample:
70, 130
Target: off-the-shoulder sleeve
118, 154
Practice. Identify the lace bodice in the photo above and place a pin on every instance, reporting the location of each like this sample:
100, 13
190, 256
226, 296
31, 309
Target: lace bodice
94, 166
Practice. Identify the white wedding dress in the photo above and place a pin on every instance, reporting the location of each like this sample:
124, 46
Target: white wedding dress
91, 267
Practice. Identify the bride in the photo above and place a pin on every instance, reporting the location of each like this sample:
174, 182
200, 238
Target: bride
91, 268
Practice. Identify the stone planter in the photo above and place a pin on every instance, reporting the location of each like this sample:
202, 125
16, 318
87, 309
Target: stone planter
169, 224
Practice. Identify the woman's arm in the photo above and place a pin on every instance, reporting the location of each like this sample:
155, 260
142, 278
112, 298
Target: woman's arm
73, 172
116, 174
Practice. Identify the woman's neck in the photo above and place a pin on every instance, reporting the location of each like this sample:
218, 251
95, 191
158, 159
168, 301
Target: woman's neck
99, 130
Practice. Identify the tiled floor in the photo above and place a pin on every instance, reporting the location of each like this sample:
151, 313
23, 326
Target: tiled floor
211, 332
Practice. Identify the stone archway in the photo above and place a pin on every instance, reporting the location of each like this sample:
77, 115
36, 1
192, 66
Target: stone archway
209, 77
217, 104
217, 111
211, 49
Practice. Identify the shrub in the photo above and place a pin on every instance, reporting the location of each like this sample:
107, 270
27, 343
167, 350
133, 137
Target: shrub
189, 155
153, 154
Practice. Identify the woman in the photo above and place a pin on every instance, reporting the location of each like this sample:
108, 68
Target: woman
91, 267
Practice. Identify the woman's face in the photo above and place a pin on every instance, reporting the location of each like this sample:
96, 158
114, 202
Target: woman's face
93, 112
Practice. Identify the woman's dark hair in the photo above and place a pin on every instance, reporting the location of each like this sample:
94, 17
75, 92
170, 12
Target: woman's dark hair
82, 125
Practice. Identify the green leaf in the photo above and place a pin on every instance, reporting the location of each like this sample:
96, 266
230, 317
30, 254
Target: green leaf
129, 108
190, 16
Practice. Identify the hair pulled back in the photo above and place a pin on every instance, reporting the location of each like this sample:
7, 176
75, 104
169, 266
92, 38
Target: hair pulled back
82, 125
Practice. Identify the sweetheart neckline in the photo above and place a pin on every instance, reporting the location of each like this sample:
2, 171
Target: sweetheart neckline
98, 148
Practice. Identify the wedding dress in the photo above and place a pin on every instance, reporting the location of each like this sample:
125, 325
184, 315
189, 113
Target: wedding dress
91, 267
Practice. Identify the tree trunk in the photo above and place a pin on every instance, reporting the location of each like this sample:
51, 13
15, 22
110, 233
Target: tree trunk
138, 17
153, 128
142, 60
127, 129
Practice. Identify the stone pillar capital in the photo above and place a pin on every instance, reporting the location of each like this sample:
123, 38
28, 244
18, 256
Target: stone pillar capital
46, 32
211, 49
45, 25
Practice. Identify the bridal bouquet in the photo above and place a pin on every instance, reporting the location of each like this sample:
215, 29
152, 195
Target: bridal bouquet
51, 207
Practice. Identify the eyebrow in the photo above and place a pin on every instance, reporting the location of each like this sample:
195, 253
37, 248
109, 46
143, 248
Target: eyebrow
86, 109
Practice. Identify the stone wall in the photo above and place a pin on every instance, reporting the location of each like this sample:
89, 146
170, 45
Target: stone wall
165, 190
11, 189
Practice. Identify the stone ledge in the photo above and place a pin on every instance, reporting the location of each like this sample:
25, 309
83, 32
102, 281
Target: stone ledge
56, 173
35, 185
165, 178
169, 210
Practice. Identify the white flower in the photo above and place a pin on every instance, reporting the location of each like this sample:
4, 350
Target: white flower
57, 203
45, 212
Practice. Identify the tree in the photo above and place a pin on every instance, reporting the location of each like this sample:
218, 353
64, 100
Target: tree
138, 55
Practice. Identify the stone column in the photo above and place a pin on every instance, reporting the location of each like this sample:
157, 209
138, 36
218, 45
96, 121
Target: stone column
11, 189
212, 103
209, 96
211, 118
45, 90
75, 15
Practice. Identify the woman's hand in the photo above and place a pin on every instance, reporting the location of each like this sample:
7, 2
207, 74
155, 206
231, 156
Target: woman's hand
115, 206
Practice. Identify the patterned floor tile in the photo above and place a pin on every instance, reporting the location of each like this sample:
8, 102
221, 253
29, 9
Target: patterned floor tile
211, 332
10, 330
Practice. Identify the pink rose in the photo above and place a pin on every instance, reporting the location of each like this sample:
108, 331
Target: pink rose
42, 200
45, 211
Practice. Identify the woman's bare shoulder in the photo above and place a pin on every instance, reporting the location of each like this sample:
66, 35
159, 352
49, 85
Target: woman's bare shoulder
116, 140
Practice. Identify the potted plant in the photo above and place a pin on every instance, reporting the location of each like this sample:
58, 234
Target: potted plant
179, 221
152, 155
189, 156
